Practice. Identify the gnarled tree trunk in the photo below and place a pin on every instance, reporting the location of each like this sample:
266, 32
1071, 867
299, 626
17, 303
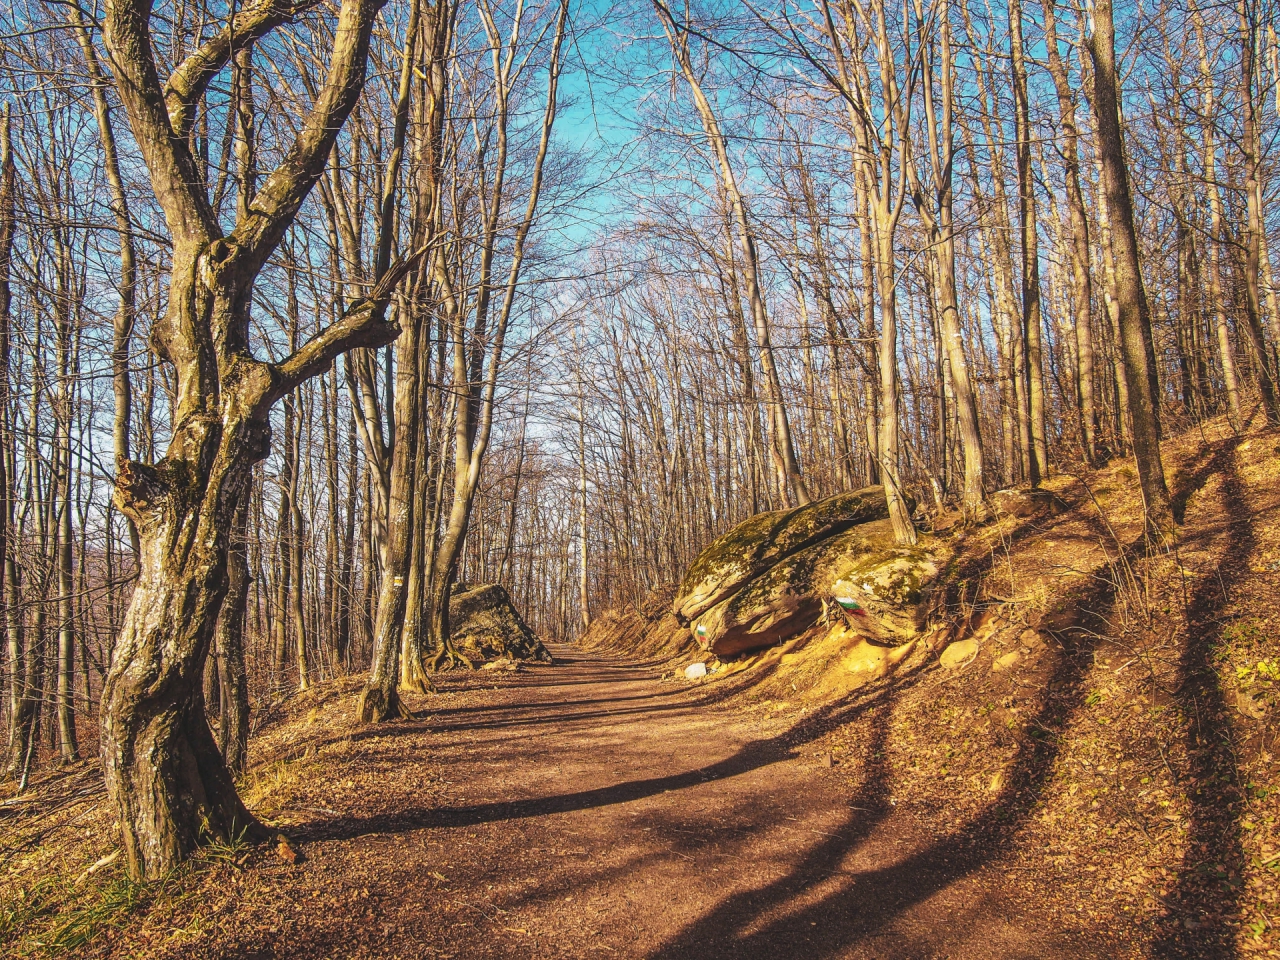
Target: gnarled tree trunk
163, 768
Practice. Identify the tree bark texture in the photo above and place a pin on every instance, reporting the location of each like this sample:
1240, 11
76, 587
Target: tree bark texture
1134, 318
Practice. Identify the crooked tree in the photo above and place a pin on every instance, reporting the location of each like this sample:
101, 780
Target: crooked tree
163, 768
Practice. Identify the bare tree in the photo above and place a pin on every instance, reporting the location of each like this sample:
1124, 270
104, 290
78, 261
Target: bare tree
164, 771
1134, 317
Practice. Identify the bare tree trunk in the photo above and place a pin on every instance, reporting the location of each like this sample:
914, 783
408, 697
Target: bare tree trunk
1032, 325
126, 312
22, 697
284, 551
871, 395
1135, 321
380, 699
163, 769
475, 386
584, 600
678, 37
1217, 297
68, 746
1251, 147
903, 529
942, 234
233, 686
1082, 286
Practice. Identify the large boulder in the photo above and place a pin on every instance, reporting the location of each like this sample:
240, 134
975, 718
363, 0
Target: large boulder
485, 625
759, 543
862, 575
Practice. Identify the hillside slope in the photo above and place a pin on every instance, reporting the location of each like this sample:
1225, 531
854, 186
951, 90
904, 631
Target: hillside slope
1099, 715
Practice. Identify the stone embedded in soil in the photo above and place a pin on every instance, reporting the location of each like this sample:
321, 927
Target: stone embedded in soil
759, 543
695, 671
1024, 503
959, 653
875, 660
485, 625
1007, 662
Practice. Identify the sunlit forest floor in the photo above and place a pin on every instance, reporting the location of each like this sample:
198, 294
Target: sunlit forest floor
1096, 778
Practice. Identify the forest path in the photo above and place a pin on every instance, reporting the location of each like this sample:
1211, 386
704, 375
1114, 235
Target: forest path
587, 809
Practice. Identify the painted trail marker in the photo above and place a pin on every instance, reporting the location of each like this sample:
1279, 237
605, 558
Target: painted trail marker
851, 605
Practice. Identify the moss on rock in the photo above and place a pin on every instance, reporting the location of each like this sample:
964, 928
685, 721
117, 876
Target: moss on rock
761, 542
881, 583
485, 625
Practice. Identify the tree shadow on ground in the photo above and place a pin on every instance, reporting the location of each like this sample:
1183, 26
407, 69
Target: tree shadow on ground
751, 756
856, 907
862, 907
821, 909
1210, 878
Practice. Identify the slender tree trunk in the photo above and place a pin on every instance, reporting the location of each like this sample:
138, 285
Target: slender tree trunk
126, 312
1081, 282
233, 726
584, 600
296, 534
1032, 325
1135, 321
1226, 352
903, 529
380, 699
781, 427
941, 226
871, 394
1251, 146
22, 697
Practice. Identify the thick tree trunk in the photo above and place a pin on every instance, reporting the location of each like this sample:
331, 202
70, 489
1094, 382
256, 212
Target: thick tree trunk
163, 770
163, 767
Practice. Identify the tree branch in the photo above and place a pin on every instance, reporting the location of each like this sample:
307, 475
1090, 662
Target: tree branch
174, 176
188, 81
259, 231
362, 325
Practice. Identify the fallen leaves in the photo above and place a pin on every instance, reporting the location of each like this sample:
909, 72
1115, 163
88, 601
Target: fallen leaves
287, 851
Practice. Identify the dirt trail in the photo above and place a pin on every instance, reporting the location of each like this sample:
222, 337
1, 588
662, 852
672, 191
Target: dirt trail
587, 809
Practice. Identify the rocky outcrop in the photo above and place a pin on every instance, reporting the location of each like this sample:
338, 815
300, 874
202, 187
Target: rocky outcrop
860, 575
758, 544
485, 625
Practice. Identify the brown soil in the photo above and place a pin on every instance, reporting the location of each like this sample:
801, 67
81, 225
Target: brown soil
586, 809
